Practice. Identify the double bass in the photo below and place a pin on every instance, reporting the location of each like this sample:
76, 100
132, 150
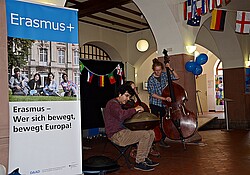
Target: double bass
179, 123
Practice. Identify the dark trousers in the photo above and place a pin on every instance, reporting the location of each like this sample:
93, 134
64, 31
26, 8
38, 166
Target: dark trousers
159, 111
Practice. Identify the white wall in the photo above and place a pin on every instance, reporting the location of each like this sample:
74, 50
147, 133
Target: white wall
143, 73
163, 23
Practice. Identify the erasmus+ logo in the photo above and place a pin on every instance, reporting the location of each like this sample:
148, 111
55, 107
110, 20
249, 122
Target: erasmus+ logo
16, 19
41, 22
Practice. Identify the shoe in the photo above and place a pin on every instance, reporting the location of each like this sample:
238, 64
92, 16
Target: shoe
154, 152
151, 163
164, 144
143, 166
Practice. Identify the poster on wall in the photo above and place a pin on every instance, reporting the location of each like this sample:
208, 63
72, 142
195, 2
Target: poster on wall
44, 105
247, 91
219, 93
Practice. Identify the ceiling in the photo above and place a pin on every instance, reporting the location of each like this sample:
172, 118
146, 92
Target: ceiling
118, 15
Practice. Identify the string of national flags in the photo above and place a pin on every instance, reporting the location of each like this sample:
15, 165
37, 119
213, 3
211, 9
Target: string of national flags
110, 75
193, 9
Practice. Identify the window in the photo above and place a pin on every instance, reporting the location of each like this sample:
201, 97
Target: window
61, 56
219, 68
27, 57
94, 53
43, 53
76, 57
77, 78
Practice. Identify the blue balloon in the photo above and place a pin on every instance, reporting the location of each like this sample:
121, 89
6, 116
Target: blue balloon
190, 65
201, 59
197, 70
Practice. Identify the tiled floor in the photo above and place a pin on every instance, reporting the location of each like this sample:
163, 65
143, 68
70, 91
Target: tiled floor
219, 153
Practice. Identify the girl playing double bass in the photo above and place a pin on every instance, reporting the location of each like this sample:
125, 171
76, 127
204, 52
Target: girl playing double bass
157, 81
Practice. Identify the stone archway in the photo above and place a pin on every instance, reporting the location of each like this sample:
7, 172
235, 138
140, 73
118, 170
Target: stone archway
112, 52
163, 24
225, 45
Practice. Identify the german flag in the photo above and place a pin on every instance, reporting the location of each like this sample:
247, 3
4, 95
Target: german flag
218, 20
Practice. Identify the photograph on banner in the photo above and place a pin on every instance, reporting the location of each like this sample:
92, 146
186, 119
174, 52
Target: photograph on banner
43, 70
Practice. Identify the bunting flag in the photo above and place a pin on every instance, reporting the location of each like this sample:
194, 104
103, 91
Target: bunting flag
120, 73
189, 9
218, 3
194, 17
194, 9
218, 20
90, 77
242, 22
101, 81
199, 7
121, 76
81, 66
194, 21
227, 1
101, 78
111, 78
204, 7
185, 10
211, 4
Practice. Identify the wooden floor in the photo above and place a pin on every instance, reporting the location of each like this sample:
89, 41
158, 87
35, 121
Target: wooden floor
219, 153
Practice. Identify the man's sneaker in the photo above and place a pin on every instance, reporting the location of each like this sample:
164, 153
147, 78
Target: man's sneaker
143, 166
151, 163
164, 144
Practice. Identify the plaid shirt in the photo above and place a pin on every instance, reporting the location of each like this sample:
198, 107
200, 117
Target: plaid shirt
156, 87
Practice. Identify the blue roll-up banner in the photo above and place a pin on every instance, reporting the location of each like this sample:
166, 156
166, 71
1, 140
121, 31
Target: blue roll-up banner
41, 22
45, 131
